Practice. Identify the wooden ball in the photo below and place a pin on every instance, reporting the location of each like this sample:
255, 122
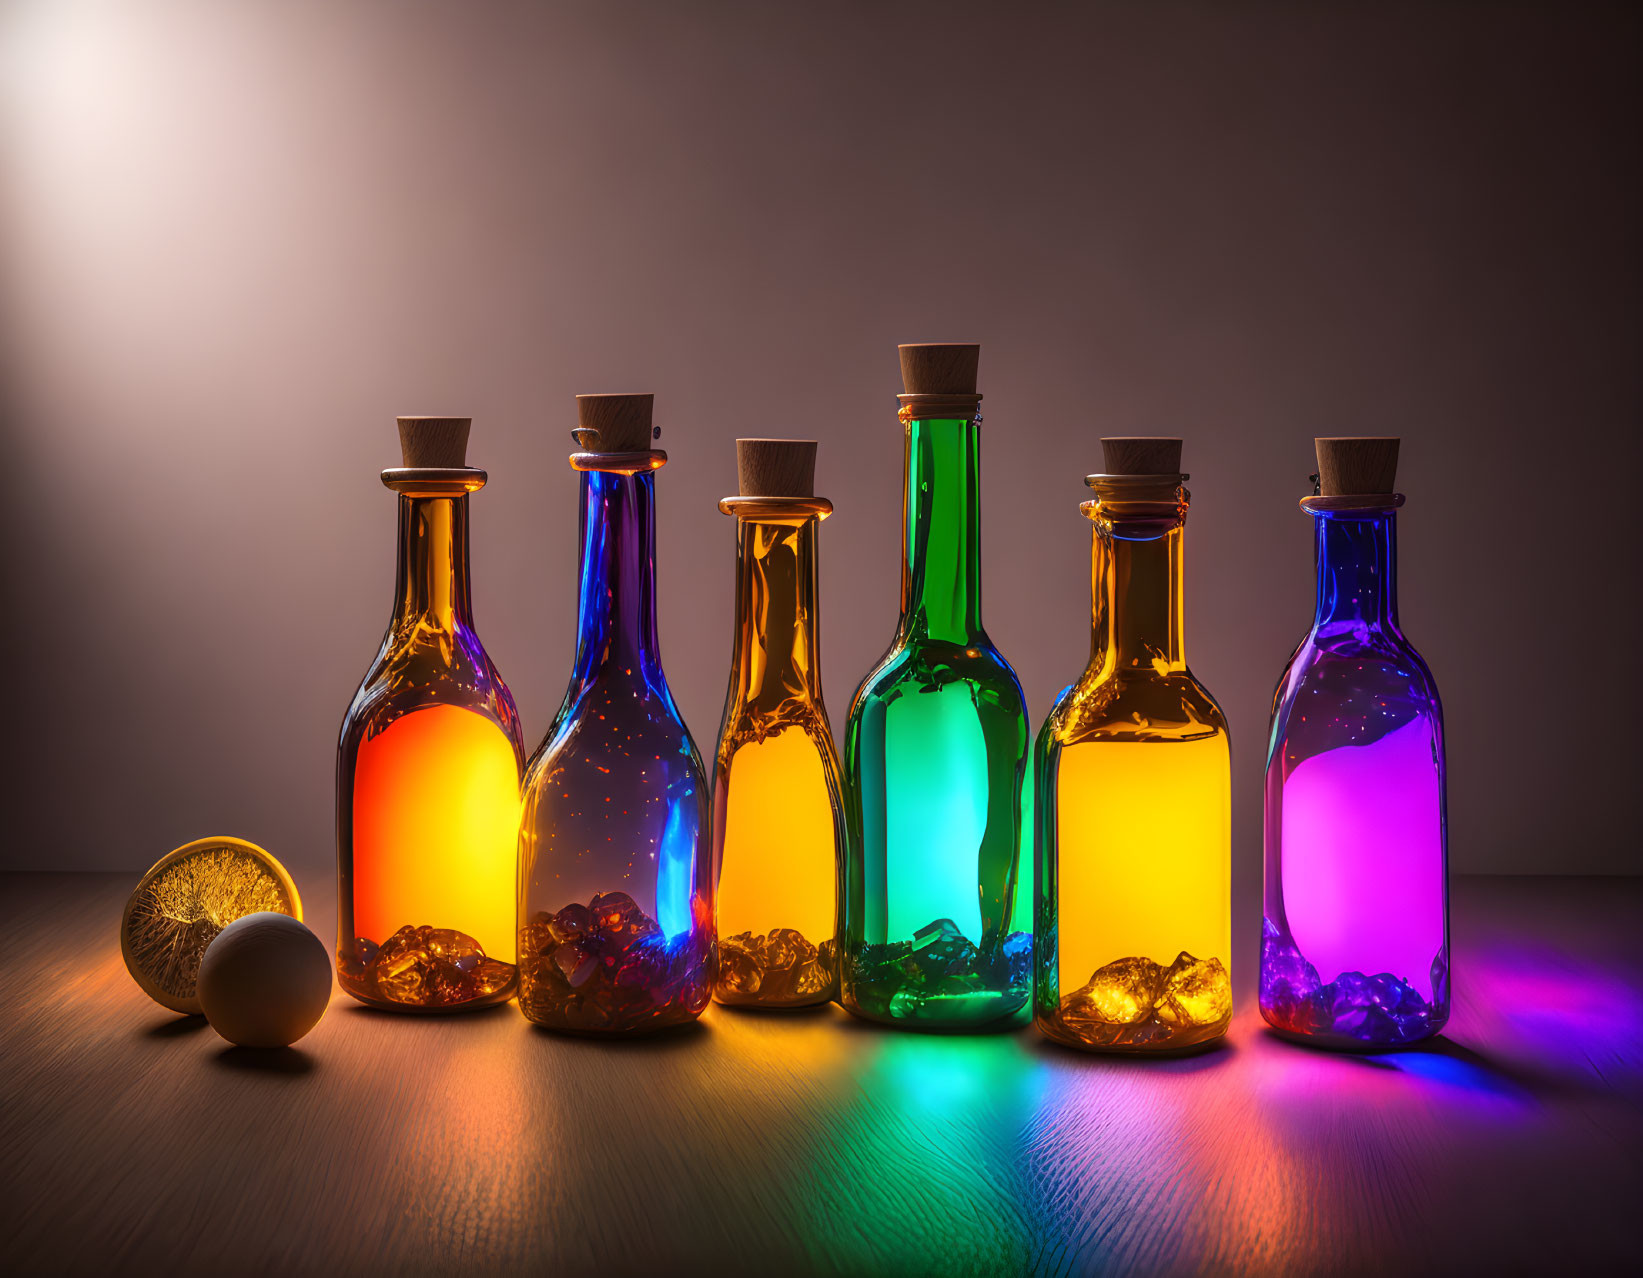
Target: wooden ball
265, 981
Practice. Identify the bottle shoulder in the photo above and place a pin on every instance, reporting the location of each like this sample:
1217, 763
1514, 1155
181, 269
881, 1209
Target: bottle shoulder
753, 721
921, 664
422, 667
1337, 691
1135, 706
1354, 662
617, 725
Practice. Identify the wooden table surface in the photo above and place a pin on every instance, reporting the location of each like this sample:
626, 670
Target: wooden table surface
133, 1141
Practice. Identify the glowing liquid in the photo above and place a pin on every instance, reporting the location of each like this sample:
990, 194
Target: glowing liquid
778, 868
1362, 858
936, 811
436, 819
1143, 871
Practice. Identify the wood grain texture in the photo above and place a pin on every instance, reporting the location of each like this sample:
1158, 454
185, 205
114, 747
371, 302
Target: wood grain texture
134, 1141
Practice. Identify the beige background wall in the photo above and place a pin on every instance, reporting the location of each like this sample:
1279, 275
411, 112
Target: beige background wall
238, 239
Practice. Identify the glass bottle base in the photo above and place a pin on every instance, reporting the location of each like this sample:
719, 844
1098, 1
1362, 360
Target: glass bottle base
607, 968
1139, 1006
938, 980
424, 969
1353, 1012
779, 970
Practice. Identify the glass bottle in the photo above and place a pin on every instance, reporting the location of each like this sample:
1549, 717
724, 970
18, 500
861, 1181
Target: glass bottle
936, 750
615, 886
777, 808
1355, 940
1134, 896
428, 766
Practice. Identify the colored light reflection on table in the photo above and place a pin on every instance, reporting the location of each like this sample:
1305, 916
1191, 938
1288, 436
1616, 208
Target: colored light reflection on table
1363, 871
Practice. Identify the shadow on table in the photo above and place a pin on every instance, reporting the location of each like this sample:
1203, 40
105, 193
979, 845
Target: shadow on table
754, 1012
287, 1062
175, 1027
674, 1038
411, 1016
1441, 1059
1188, 1060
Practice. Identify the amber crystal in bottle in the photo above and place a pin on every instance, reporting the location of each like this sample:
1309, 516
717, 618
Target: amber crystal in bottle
1134, 845
428, 767
615, 900
777, 811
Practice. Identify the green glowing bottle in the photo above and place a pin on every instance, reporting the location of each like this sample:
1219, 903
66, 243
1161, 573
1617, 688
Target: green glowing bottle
937, 929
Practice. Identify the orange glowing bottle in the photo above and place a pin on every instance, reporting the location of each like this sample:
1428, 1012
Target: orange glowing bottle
428, 767
777, 824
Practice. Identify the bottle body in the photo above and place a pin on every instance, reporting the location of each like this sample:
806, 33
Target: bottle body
935, 756
615, 909
428, 790
1355, 942
1133, 920
778, 809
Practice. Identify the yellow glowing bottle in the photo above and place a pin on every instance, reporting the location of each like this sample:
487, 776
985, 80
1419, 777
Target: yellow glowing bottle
776, 800
428, 767
1134, 835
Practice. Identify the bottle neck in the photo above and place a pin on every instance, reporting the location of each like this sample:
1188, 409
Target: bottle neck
1136, 597
777, 626
941, 530
1357, 560
431, 587
616, 610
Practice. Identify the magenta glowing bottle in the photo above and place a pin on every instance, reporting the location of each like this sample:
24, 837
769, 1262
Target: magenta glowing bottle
1355, 942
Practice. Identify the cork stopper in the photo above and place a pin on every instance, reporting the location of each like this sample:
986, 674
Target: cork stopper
1141, 455
622, 423
439, 443
1366, 466
939, 368
776, 467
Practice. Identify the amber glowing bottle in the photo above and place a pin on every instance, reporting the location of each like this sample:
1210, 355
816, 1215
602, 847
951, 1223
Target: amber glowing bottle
1133, 933
428, 767
777, 810
615, 863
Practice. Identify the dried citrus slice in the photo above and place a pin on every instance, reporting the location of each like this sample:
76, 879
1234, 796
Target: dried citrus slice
185, 900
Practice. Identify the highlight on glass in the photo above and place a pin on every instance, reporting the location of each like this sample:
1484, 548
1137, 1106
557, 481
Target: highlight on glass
428, 766
615, 893
1133, 933
777, 809
1355, 939
936, 928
